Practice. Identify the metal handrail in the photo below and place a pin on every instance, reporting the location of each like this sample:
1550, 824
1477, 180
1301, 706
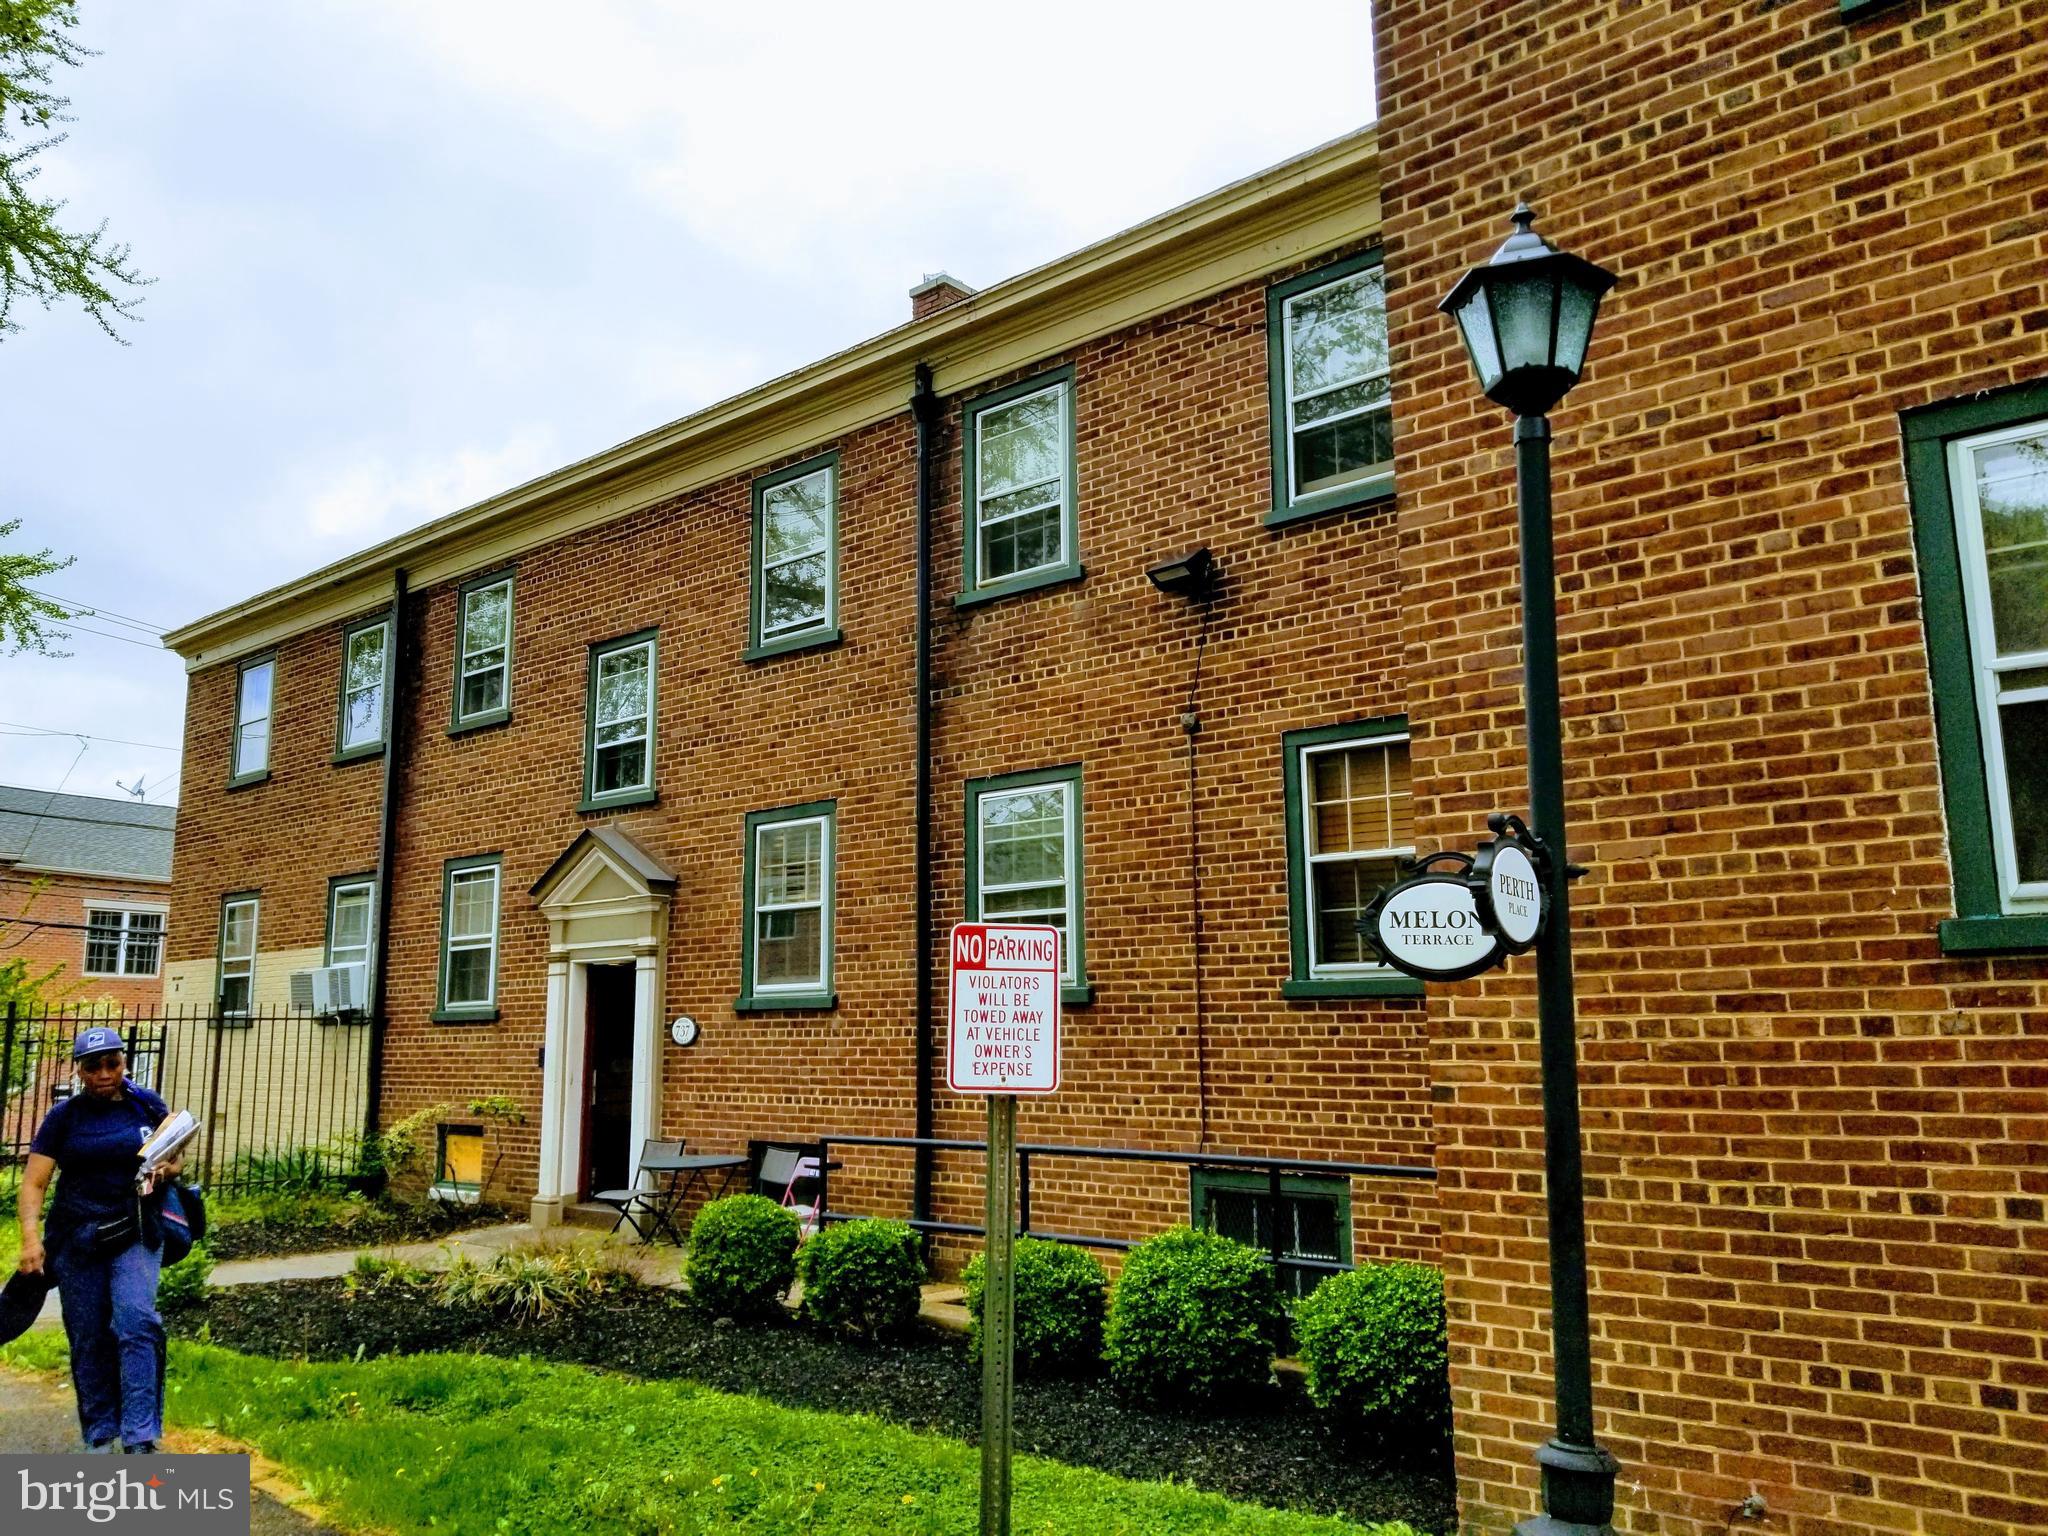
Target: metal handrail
1274, 1167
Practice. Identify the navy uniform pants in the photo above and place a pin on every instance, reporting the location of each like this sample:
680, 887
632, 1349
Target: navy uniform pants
117, 1342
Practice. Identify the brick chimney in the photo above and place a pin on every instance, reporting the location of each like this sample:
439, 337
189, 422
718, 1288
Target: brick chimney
939, 290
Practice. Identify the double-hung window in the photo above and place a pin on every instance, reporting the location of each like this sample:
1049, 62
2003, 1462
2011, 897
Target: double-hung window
483, 652
255, 683
365, 675
786, 947
1350, 828
619, 735
1024, 861
796, 558
1333, 429
123, 941
1978, 474
469, 940
351, 905
1018, 489
238, 914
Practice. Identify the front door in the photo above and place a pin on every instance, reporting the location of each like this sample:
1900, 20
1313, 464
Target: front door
608, 1078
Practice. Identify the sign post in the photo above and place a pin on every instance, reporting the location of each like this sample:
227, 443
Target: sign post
1003, 1039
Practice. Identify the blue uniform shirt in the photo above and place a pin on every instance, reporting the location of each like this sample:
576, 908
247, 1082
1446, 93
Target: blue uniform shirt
95, 1143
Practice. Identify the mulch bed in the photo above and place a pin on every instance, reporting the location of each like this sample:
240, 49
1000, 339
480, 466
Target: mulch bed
1276, 1452
367, 1224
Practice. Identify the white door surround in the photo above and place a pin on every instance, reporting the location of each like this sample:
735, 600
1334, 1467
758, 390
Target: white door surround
606, 900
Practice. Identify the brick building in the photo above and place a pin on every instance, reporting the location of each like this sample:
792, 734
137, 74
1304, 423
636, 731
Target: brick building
84, 893
1795, 496
1793, 500
657, 731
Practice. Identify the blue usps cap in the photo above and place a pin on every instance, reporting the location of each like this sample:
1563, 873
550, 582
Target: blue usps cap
91, 1042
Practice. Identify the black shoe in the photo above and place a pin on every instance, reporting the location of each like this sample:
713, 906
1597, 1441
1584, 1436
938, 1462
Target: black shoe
146, 1448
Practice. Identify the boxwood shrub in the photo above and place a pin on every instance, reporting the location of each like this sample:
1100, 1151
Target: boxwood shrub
1373, 1343
1192, 1319
1060, 1297
863, 1278
742, 1255
186, 1284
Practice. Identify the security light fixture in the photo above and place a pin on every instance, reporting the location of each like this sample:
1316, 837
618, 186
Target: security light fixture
1192, 575
1527, 318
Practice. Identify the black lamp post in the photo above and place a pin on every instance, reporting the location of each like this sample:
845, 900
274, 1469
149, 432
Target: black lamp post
1527, 317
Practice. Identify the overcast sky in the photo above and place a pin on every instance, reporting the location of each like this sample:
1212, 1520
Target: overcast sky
411, 252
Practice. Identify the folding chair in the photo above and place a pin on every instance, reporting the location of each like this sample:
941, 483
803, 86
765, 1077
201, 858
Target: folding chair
644, 1198
788, 1167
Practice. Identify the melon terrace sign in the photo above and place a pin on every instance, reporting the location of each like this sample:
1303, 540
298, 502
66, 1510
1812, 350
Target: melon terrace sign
1446, 926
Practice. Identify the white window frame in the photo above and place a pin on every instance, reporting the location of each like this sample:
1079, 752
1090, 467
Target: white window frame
828, 546
1986, 666
243, 719
382, 630
1060, 390
348, 954
123, 937
463, 652
823, 906
601, 655
1335, 970
1295, 493
451, 942
246, 965
1070, 881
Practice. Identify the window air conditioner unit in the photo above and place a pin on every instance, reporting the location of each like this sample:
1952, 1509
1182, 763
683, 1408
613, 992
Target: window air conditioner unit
330, 991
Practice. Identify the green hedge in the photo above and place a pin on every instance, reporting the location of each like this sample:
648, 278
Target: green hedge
742, 1255
1374, 1345
1060, 1297
863, 1278
1193, 1318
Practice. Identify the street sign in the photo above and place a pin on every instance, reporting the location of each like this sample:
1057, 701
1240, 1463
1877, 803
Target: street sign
1507, 884
1429, 926
1005, 1030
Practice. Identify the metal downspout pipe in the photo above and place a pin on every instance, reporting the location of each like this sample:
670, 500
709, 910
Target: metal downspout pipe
387, 829
924, 406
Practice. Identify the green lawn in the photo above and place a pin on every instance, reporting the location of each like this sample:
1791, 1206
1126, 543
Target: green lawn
461, 1443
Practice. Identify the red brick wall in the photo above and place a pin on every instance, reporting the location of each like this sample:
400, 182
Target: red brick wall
1173, 452
1814, 1146
26, 895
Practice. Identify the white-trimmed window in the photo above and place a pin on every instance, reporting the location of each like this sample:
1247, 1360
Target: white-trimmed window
483, 651
238, 916
469, 937
254, 685
350, 909
621, 727
787, 948
1019, 487
1024, 857
796, 515
1357, 826
1999, 484
365, 668
1332, 417
123, 941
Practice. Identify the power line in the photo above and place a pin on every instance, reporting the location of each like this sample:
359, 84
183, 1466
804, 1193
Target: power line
24, 728
92, 610
108, 634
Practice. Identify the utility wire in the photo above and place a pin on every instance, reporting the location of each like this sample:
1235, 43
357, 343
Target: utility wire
91, 610
23, 728
108, 634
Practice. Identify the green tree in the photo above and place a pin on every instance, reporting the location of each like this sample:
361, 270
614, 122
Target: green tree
27, 619
39, 258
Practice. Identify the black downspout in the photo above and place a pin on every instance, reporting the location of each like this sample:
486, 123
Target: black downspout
387, 827
924, 405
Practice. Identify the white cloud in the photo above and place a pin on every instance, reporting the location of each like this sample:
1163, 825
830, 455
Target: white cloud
366, 497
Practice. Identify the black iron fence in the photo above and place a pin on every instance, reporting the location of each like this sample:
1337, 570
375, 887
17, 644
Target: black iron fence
282, 1096
1264, 1223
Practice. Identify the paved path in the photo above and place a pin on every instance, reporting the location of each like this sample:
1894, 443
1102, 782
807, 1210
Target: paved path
38, 1417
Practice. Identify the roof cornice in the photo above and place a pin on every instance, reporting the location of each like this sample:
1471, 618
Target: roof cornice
1317, 201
